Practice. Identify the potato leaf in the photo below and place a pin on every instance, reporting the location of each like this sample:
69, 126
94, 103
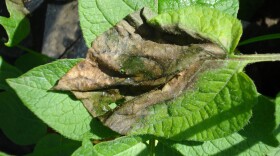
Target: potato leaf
204, 23
17, 122
7, 71
129, 60
33, 59
97, 16
260, 137
228, 6
59, 110
164, 150
216, 102
181, 91
123, 146
55, 145
17, 25
3, 154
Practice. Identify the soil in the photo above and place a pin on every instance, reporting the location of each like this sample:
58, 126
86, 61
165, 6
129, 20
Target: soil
261, 17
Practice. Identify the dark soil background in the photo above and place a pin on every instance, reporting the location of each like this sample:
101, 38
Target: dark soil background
55, 32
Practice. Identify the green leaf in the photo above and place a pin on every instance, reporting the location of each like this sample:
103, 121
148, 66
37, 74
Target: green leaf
17, 25
97, 16
17, 122
3, 154
277, 101
85, 149
59, 110
228, 6
31, 60
123, 146
218, 27
163, 150
260, 137
55, 145
218, 103
7, 71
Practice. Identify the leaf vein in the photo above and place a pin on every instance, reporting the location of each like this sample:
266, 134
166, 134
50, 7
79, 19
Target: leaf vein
103, 14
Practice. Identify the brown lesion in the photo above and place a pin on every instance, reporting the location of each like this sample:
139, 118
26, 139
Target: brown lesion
140, 68
123, 117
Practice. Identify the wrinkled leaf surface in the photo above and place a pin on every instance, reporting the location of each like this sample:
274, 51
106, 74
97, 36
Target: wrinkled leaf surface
123, 146
196, 93
97, 16
260, 137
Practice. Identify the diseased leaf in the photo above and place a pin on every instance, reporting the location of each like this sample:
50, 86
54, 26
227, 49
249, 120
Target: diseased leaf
17, 25
98, 16
17, 122
204, 23
7, 71
170, 88
143, 57
129, 60
59, 110
123, 146
259, 137
215, 102
98, 103
55, 145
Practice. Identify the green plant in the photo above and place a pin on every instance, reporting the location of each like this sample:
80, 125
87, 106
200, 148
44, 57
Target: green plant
211, 115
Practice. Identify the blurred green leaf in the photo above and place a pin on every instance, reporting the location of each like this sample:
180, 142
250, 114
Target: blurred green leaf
7, 71
17, 122
17, 25
31, 60
163, 150
55, 145
3, 154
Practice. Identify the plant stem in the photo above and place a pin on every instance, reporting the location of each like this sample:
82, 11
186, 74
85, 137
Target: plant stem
253, 58
152, 144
